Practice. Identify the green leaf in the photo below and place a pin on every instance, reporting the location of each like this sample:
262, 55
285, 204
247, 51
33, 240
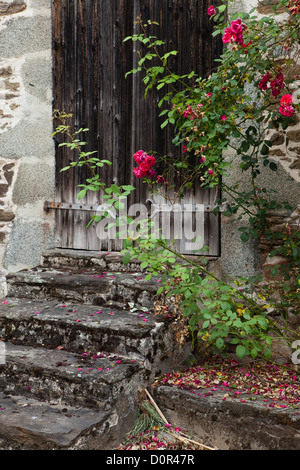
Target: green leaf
81, 194
128, 187
241, 351
115, 189
263, 322
268, 353
222, 8
126, 258
265, 150
244, 237
254, 353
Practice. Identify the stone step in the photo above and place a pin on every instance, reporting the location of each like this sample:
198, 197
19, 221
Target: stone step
66, 258
28, 424
96, 391
83, 328
78, 341
93, 380
93, 286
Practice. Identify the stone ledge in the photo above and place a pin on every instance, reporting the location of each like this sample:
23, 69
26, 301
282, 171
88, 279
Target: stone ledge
230, 424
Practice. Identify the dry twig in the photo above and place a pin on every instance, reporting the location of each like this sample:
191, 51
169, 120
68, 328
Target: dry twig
176, 436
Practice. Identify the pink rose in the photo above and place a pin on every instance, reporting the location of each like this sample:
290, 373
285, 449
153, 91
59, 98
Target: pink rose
211, 11
227, 35
277, 84
234, 33
263, 84
160, 179
139, 156
138, 173
146, 162
286, 100
188, 111
144, 168
287, 110
237, 27
150, 160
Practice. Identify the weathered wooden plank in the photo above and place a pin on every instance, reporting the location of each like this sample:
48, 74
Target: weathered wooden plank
64, 45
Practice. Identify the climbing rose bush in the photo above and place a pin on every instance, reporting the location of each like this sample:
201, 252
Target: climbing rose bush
211, 115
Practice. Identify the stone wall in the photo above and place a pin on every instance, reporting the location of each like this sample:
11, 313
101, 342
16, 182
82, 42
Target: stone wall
26, 153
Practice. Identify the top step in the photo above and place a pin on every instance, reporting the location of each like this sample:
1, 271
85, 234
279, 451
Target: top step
107, 261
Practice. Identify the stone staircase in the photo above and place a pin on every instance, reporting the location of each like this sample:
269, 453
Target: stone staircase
79, 339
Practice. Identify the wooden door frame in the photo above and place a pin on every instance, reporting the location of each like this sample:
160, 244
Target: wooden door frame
86, 32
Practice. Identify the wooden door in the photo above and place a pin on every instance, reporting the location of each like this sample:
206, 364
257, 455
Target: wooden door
90, 61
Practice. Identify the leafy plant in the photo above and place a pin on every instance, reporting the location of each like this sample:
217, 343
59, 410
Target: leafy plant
231, 110
112, 195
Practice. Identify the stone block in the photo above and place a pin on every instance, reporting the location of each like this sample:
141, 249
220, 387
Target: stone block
294, 135
35, 182
27, 240
3, 189
277, 139
24, 35
6, 215
11, 7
